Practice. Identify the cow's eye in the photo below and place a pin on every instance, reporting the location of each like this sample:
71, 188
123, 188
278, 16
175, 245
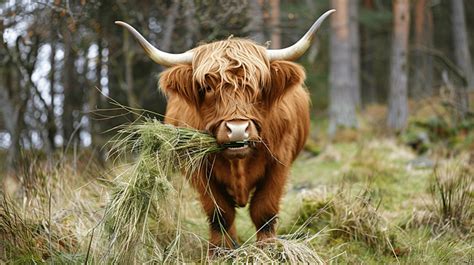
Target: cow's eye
207, 89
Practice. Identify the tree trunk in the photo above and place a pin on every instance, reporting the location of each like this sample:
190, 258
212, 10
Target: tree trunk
342, 104
129, 54
192, 26
169, 26
69, 84
368, 88
275, 24
461, 46
255, 25
354, 39
312, 53
51, 121
13, 101
94, 95
423, 62
16, 128
398, 97
13, 105
462, 57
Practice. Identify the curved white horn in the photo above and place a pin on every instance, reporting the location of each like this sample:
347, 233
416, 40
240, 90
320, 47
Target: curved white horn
299, 48
160, 57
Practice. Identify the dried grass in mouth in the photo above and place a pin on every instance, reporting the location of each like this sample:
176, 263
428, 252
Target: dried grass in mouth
144, 191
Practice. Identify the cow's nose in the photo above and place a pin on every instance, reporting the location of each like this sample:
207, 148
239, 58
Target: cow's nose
237, 130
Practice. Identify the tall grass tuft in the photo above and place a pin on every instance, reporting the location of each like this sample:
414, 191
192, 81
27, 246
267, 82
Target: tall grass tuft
144, 193
451, 190
21, 239
347, 217
50, 211
358, 219
30, 239
450, 205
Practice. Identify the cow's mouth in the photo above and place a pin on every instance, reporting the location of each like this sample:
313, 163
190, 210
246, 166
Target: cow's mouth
236, 145
237, 149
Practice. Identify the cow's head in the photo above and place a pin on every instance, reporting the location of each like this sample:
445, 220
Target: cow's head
231, 83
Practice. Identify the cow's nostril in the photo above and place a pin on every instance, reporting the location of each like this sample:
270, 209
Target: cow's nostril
237, 130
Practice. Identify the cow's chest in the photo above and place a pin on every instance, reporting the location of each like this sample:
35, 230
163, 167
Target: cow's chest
239, 177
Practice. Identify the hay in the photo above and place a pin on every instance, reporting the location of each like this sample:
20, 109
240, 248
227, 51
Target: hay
144, 191
294, 249
185, 148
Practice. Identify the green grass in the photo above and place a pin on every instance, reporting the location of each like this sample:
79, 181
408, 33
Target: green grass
400, 189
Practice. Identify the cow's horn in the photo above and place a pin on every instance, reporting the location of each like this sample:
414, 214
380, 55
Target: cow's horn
299, 48
160, 57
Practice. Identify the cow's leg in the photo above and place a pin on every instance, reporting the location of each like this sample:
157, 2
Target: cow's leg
265, 202
220, 210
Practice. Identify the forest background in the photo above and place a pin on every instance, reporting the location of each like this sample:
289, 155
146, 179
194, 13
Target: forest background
392, 134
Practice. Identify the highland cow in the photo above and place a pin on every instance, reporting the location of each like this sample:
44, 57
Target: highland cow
253, 98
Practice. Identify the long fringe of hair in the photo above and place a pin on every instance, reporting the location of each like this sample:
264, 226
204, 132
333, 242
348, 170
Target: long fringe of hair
236, 64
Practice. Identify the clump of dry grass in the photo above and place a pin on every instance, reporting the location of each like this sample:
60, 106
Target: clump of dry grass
358, 219
290, 249
348, 218
144, 191
451, 200
30, 240
451, 190
44, 219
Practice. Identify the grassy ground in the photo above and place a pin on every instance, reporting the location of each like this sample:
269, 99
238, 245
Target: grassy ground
365, 199
383, 174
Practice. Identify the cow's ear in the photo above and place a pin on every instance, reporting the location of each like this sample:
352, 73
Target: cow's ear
178, 80
285, 77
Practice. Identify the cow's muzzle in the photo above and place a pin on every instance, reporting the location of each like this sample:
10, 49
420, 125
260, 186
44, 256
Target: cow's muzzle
237, 136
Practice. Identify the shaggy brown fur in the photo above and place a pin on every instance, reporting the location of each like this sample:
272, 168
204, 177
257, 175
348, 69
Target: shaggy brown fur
231, 80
